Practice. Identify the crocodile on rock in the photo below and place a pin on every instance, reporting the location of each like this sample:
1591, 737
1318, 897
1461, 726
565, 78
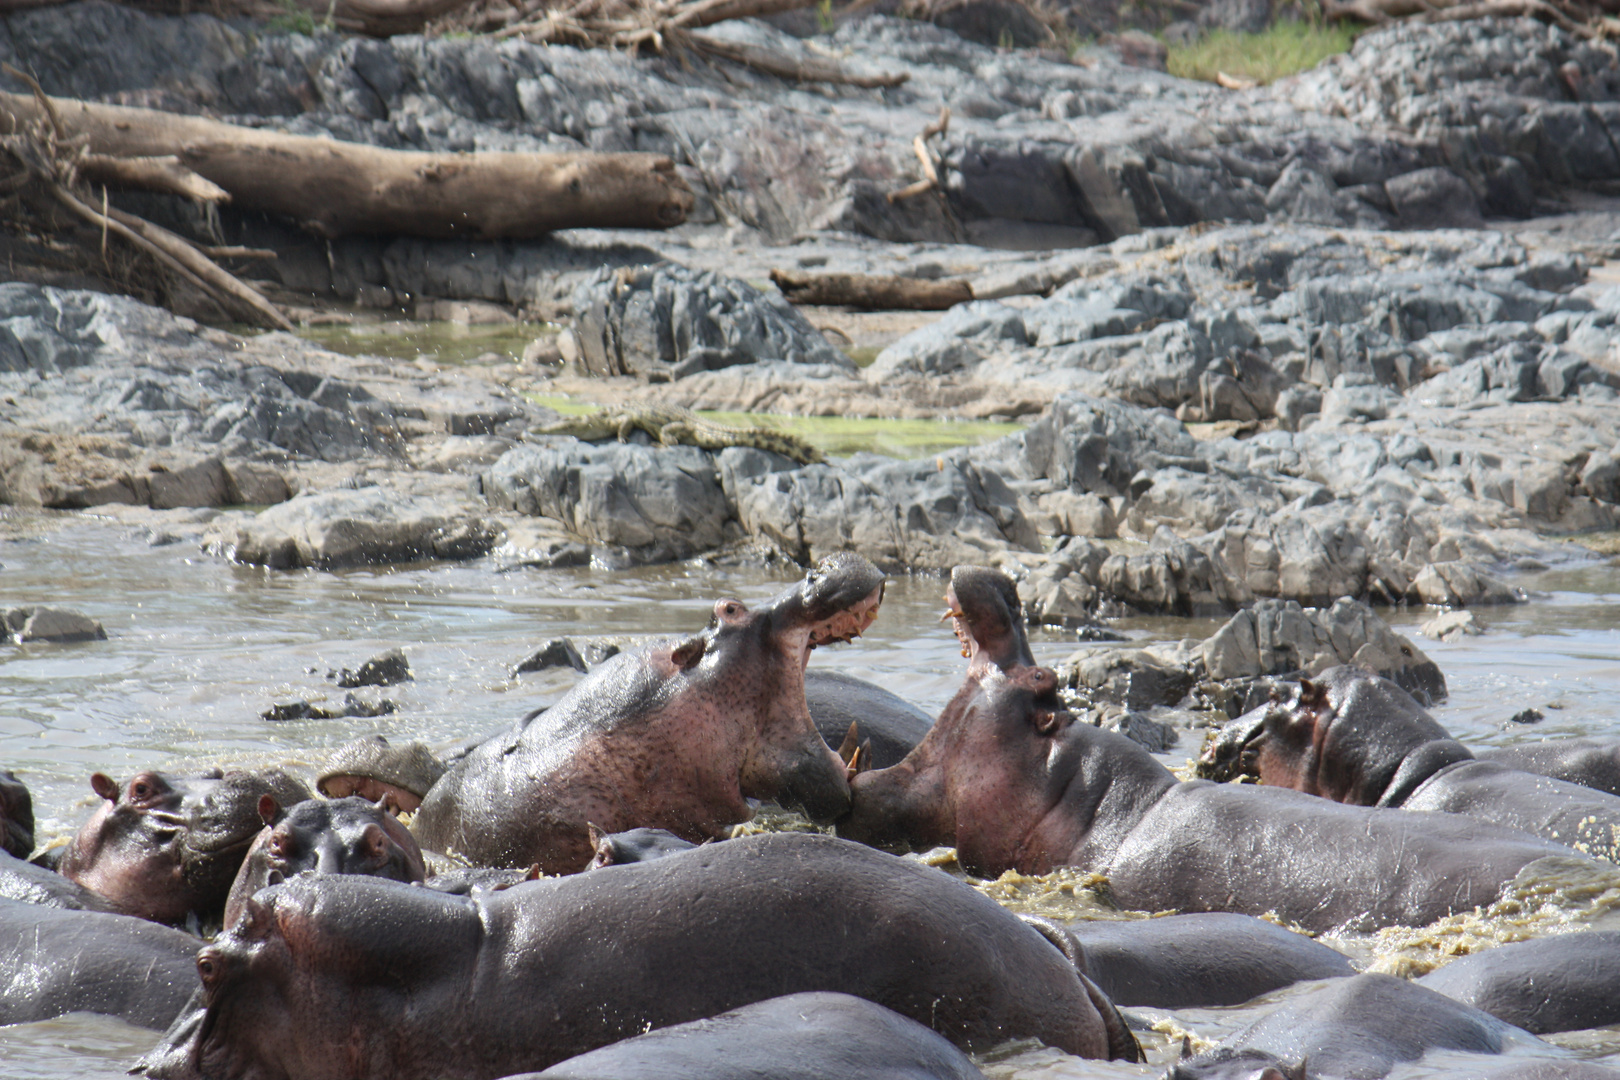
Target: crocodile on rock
672, 425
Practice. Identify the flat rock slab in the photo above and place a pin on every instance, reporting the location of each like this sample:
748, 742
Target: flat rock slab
334, 529
24, 624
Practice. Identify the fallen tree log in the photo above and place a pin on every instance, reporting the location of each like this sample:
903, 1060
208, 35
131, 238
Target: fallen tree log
377, 18
334, 188
871, 292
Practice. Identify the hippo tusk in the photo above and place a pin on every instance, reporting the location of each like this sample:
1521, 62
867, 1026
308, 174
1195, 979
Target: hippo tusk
950, 613
851, 744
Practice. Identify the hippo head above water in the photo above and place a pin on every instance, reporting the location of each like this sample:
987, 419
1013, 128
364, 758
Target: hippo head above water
16, 817
1343, 735
341, 836
676, 736
988, 619
165, 846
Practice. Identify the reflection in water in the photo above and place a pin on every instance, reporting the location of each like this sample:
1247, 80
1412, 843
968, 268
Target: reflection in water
199, 648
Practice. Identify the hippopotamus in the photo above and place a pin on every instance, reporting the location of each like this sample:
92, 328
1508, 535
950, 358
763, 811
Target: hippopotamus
812, 1036
1193, 961
1590, 761
168, 847
851, 713
523, 978
1359, 1027
54, 961
374, 770
1354, 737
675, 736
16, 817
1010, 778
341, 836
633, 846
31, 884
1562, 983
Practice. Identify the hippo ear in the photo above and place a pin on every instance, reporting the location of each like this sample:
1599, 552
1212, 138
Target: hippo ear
604, 855
688, 652
851, 744
1046, 721
1298, 1071
269, 809
533, 873
1312, 695
105, 786
376, 843
1186, 1047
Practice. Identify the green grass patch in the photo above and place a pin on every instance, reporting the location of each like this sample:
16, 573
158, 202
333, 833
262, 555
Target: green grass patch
1284, 48
840, 436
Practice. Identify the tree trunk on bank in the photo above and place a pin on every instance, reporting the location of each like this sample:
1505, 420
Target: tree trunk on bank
334, 188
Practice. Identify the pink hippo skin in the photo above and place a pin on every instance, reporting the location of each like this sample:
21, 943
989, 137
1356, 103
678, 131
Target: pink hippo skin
676, 736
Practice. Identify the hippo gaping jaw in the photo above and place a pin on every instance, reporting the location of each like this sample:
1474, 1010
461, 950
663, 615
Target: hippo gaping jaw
676, 736
987, 618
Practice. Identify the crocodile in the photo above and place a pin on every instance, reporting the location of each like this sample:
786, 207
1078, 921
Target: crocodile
672, 425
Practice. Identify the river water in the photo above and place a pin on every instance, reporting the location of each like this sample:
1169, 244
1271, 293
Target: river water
198, 648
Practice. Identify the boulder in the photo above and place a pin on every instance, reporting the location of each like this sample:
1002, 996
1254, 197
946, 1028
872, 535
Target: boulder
54, 625
334, 529
384, 669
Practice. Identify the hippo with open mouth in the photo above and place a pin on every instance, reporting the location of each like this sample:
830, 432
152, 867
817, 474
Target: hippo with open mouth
1015, 781
1355, 738
674, 736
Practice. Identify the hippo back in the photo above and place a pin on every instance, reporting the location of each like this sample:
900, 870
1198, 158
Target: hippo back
1563, 983
1590, 762
815, 1036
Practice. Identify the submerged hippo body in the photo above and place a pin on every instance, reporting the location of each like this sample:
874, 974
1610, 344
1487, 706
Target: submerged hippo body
341, 836
1359, 1027
676, 736
798, 1037
16, 817
1191, 961
1014, 782
1591, 762
32, 884
526, 977
1353, 737
54, 961
633, 846
890, 724
167, 847
1562, 983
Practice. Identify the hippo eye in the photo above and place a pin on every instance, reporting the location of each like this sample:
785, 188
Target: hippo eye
141, 789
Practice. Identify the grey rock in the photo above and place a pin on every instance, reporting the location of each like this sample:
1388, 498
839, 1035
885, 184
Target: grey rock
558, 652
1138, 679
384, 669
1143, 730
964, 336
333, 529
48, 624
1434, 199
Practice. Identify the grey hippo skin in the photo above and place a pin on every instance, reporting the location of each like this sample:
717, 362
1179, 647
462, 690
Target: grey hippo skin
16, 817
54, 962
798, 1037
32, 884
889, 724
1353, 737
526, 977
167, 847
633, 846
1192, 961
341, 836
1591, 762
1010, 778
1562, 983
675, 736
1360, 1027
1541, 1070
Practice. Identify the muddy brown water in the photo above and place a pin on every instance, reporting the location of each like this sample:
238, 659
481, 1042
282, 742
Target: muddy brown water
198, 648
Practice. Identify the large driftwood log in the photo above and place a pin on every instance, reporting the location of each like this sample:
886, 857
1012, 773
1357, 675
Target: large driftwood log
379, 18
871, 292
334, 188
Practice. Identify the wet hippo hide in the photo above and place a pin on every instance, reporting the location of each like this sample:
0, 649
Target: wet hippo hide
1562, 983
1358, 1027
1590, 762
54, 961
32, 884
675, 736
545, 970
801, 1036
1189, 961
1353, 737
16, 817
1014, 782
